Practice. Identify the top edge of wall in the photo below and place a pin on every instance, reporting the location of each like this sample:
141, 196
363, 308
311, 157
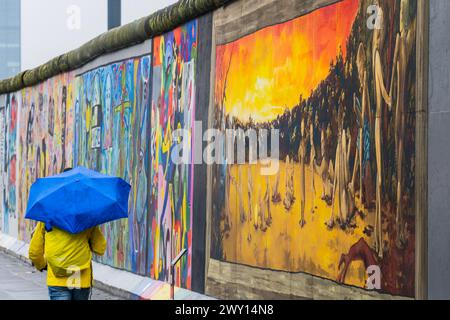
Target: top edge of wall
113, 40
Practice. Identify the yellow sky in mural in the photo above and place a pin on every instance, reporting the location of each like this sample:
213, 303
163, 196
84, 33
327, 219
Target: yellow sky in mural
271, 68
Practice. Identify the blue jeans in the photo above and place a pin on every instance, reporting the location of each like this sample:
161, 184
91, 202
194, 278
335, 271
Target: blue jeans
63, 293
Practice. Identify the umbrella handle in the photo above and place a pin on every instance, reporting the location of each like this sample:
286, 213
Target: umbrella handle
48, 227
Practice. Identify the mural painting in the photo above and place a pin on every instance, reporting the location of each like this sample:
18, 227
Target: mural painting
8, 163
45, 134
111, 136
343, 97
173, 107
101, 120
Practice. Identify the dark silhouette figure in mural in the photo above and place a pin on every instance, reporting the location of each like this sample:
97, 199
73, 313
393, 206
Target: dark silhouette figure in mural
324, 167
263, 217
239, 190
228, 184
301, 158
261, 222
267, 212
312, 165
276, 196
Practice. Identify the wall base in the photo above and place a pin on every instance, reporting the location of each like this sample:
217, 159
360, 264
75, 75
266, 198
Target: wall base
123, 284
233, 280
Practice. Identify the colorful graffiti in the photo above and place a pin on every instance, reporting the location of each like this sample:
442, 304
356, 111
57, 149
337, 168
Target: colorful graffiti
101, 120
8, 161
343, 97
45, 138
173, 107
111, 136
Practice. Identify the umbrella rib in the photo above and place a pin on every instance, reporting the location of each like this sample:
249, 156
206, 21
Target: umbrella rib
107, 196
38, 200
53, 191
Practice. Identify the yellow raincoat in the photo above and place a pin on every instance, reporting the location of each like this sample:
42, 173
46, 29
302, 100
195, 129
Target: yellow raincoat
68, 256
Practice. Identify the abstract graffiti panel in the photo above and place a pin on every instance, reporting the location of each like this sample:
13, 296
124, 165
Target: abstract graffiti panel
101, 120
9, 105
112, 106
343, 98
173, 108
45, 138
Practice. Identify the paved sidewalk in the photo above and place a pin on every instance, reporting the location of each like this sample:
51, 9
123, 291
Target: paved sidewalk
19, 281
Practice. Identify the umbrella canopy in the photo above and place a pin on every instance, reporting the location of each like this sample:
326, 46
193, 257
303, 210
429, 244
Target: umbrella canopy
78, 200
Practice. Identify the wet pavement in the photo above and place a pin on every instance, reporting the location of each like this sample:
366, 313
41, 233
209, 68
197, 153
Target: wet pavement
20, 281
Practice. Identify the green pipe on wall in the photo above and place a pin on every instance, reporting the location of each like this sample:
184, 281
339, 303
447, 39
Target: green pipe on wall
128, 35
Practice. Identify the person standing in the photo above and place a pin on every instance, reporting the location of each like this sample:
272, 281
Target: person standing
67, 259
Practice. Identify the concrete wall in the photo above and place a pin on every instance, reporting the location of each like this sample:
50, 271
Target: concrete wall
301, 67
99, 117
439, 152
245, 232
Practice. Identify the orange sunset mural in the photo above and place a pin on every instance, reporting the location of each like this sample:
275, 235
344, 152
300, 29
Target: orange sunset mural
342, 199
270, 69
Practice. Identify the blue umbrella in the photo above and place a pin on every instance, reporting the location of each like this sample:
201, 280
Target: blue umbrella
78, 200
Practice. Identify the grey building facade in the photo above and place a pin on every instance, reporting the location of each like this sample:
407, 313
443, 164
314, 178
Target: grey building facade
9, 38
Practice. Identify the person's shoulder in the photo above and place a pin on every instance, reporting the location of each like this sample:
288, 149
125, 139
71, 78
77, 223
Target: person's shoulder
39, 227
